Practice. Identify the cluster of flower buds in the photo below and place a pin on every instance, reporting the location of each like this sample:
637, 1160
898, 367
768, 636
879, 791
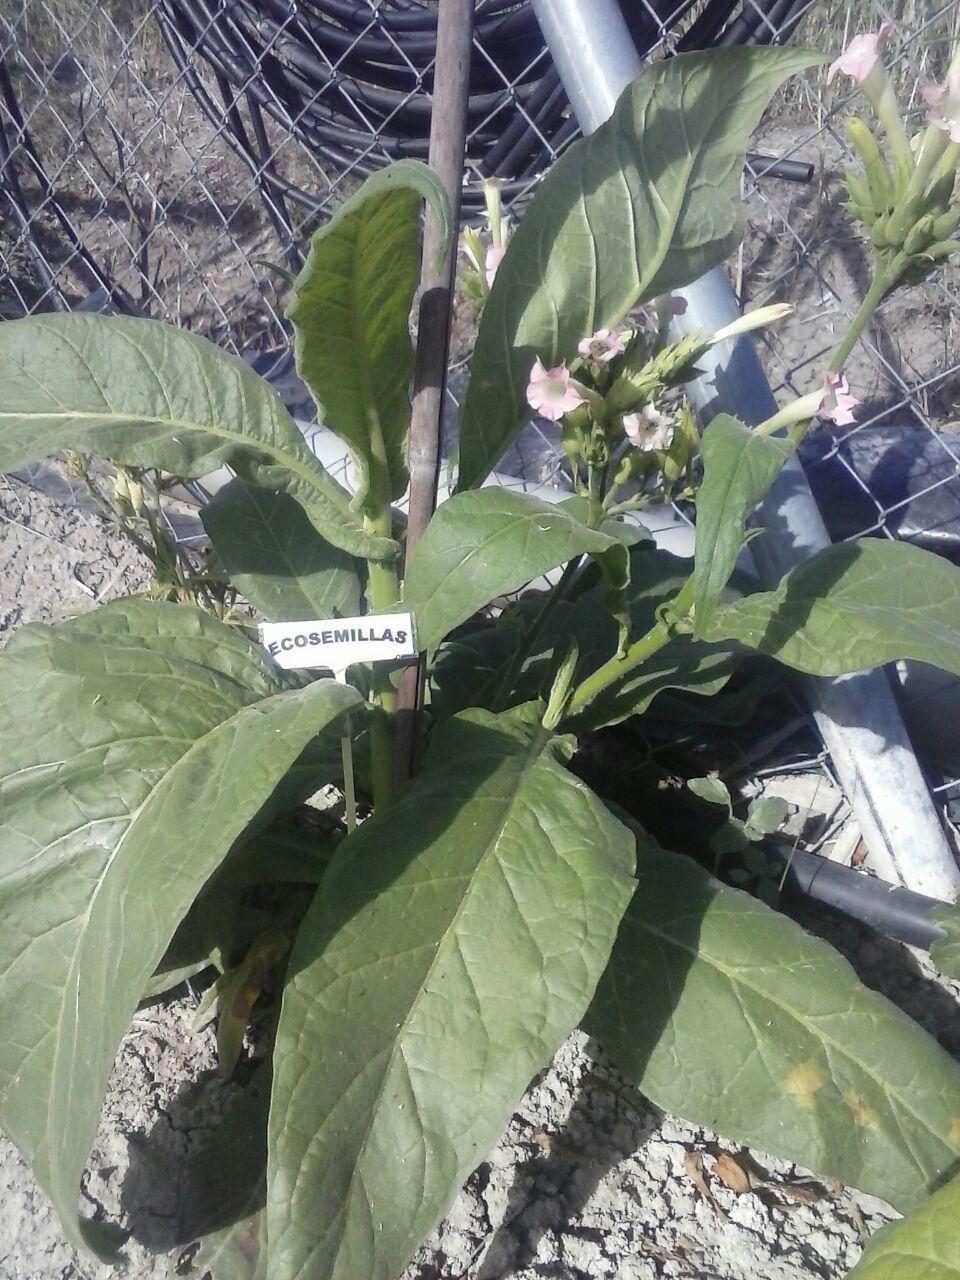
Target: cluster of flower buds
485, 253
618, 403
905, 201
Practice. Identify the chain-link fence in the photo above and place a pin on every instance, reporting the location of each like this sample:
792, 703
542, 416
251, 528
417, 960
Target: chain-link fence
161, 157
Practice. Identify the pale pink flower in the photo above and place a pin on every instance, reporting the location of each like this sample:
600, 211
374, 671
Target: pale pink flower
602, 347
648, 430
944, 103
491, 262
837, 404
861, 54
552, 392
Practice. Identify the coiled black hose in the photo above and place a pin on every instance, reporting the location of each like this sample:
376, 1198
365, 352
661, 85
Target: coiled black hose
352, 80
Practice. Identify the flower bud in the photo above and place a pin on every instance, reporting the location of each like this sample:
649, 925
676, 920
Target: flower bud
937, 199
879, 178
878, 232
920, 235
945, 225
941, 249
861, 202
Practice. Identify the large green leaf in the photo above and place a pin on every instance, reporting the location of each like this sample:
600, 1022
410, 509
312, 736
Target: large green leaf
149, 395
455, 941
351, 318
683, 665
276, 558
647, 203
853, 606
923, 1246
730, 1015
738, 468
136, 745
490, 543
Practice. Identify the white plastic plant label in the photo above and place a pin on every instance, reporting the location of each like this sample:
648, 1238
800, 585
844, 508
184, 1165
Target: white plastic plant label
337, 643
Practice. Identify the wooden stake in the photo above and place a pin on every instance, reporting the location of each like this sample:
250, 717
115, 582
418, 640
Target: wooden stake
448, 123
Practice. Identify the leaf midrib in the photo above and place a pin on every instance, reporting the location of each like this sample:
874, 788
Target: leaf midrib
526, 762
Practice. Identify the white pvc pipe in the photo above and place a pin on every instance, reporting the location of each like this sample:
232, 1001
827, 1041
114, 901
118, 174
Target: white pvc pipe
856, 715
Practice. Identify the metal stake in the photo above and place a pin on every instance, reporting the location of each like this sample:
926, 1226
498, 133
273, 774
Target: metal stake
448, 122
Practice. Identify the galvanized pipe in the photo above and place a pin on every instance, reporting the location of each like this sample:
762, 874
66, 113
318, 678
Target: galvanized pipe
857, 716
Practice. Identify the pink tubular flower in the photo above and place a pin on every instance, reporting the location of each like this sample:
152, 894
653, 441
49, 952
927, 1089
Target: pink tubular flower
860, 55
837, 404
491, 262
601, 347
944, 103
551, 392
648, 430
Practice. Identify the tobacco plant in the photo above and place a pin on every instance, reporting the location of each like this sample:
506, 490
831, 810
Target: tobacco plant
151, 754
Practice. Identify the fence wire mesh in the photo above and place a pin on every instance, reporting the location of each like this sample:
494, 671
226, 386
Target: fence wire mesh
157, 156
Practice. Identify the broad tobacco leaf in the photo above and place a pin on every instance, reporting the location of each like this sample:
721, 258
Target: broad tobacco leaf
156, 736
148, 395
647, 203
276, 558
454, 943
923, 1246
351, 318
738, 468
730, 1015
490, 543
853, 606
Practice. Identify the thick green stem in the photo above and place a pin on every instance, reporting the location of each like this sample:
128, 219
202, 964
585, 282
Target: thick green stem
383, 592
595, 494
616, 668
872, 298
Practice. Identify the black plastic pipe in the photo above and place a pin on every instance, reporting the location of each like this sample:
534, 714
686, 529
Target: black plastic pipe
891, 910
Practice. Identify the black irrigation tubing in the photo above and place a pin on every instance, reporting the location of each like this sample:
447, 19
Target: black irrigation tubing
352, 81
891, 910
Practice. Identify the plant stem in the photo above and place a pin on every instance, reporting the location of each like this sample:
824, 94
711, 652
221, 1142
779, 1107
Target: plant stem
383, 591
349, 788
558, 592
616, 668
595, 493
879, 286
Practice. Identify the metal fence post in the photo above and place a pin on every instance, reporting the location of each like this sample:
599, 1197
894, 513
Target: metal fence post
857, 715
